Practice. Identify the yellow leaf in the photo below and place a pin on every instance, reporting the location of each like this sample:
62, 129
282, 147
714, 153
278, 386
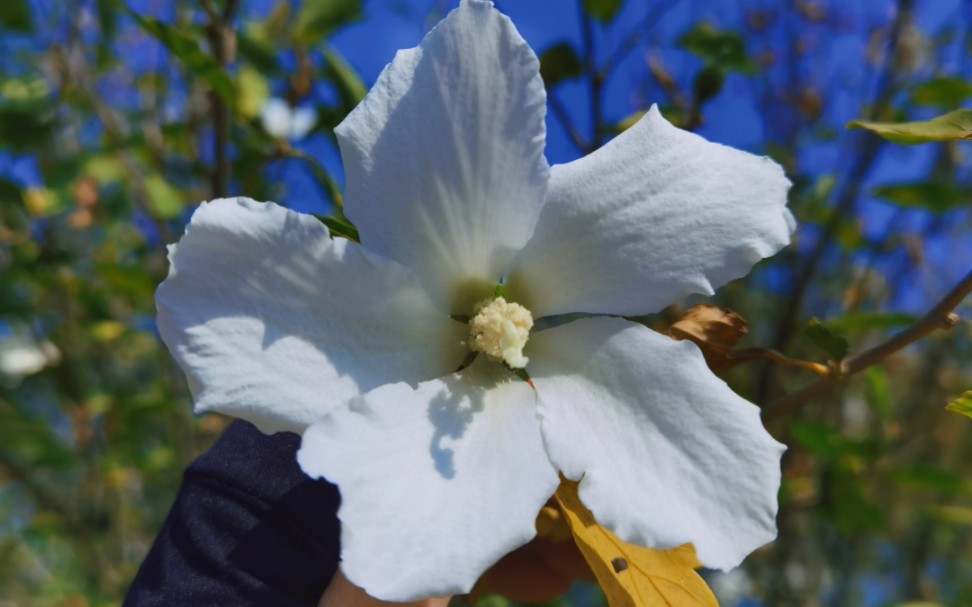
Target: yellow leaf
629, 575
962, 405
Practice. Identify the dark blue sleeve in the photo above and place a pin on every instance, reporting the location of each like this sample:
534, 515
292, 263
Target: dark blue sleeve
247, 528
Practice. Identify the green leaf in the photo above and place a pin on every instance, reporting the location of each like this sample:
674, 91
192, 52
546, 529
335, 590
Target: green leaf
163, 199
258, 53
725, 51
879, 389
15, 16
822, 439
707, 83
558, 63
603, 10
923, 477
318, 18
942, 92
834, 345
24, 126
869, 321
936, 196
962, 405
349, 85
340, 227
961, 515
253, 92
187, 50
10, 192
954, 126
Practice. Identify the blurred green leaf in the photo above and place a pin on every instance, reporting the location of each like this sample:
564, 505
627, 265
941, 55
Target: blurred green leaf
869, 321
10, 192
725, 51
823, 440
935, 196
349, 85
28, 88
24, 126
707, 83
831, 343
961, 515
164, 201
254, 90
943, 92
108, 24
188, 51
15, 16
929, 478
962, 405
879, 390
258, 53
603, 10
317, 19
558, 63
954, 126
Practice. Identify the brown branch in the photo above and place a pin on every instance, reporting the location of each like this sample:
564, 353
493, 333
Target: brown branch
595, 83
846, 202
635, 37
942, 316
737, 357
220, 41
563, 116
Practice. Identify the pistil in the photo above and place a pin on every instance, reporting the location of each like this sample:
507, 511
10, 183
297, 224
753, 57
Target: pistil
500, 329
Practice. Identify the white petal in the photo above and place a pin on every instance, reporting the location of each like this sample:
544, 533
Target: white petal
437, 484
655, 215
665, 451
274, 322
444, 157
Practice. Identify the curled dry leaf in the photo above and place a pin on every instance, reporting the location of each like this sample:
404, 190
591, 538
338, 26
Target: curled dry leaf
715, 330
633, 576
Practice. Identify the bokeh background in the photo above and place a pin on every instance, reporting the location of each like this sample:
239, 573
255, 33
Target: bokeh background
117, 119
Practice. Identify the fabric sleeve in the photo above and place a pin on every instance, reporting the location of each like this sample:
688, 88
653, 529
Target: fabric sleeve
248, 527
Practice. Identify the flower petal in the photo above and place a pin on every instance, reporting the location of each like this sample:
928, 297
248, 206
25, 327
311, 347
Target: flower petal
444, 157
665, 452
656, 214
437, 484
274, 322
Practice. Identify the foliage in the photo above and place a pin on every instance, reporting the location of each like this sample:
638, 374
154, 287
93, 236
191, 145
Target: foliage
114, 124
955, 125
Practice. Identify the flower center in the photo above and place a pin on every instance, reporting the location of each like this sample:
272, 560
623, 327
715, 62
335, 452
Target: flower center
499, 329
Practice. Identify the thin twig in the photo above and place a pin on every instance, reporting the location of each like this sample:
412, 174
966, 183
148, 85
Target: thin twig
634, 38
217, 30
847, 200
736, 357
563, 116
942, 316
595, 84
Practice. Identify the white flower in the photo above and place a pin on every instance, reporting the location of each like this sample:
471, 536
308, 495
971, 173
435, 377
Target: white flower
282, 121
21, 354
442, 473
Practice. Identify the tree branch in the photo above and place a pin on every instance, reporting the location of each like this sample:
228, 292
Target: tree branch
847, 200
942, 316
595, 83
563, 116
634, 38
218, 31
